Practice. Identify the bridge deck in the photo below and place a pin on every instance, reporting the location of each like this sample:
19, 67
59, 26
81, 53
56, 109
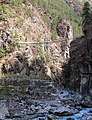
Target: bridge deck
43, 42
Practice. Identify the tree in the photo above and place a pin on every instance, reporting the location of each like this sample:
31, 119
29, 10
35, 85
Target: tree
86, 15
87, 23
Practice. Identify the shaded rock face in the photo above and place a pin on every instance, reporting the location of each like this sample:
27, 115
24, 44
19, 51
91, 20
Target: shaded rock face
81, 65
64, 30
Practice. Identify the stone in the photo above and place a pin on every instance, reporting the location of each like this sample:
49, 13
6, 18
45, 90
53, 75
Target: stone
64, 111
64, 30
51, 117
70, 119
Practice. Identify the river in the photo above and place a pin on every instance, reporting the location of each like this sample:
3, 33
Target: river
36, 99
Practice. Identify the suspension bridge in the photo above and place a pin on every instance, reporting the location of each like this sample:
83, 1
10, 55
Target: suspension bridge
42, 42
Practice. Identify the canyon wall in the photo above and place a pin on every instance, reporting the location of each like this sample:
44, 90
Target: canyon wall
28, 25
81, 63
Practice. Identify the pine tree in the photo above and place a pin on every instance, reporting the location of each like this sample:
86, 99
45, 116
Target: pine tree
87, 22
86, 15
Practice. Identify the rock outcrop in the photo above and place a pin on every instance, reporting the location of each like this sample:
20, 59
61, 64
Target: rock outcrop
32, 58
81, 63
65, 32
27, 98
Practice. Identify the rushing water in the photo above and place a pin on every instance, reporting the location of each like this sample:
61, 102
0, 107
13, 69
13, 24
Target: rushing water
3, 111
75, 116
79, 115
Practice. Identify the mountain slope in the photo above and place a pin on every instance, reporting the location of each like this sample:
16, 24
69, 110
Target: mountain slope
55, 10
36, 21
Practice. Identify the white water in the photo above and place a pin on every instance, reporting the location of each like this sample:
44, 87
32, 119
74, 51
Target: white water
75, 116
78, 115
3, 110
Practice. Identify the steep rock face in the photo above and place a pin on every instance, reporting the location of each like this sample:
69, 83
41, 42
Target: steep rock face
28, 59
81, 65
65, 32
28, 27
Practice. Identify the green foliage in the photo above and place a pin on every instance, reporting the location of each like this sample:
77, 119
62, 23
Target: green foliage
16, 2
86, 14
1, 9
41, 50
5, 9
54, 10
15, 37
57, 9
40, 76
2, 52
7, 75
54, 35
1, 17
8, 6
28, 11
19, 22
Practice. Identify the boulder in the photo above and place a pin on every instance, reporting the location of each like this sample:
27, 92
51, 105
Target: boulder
64, 111
70, 119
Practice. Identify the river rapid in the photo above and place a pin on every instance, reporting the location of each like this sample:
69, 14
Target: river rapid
39, 99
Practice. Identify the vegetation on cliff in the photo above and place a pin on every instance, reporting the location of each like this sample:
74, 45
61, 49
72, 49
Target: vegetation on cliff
53, 12
16, 10
86, 14
20, 13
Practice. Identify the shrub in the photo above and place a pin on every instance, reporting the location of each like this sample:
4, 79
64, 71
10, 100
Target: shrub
58, 9
2, 52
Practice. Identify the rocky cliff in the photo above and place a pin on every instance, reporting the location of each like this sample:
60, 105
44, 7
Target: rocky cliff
81, 63
24, 23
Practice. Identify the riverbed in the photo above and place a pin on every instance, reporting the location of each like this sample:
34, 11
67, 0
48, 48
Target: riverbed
35, 99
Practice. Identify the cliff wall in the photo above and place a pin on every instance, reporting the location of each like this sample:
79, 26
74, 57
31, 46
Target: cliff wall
81, 64
25, 23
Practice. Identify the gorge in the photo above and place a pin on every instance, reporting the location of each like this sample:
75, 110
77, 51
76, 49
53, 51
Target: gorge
45, 61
